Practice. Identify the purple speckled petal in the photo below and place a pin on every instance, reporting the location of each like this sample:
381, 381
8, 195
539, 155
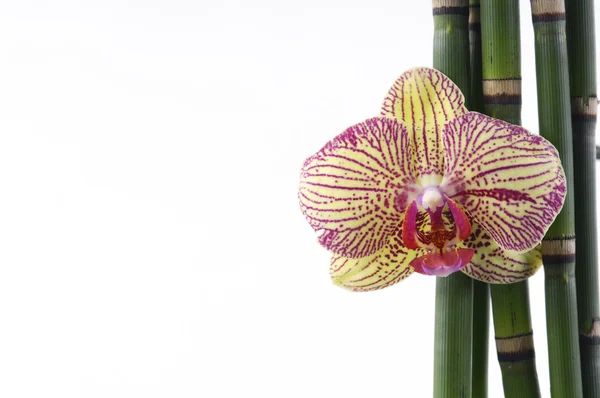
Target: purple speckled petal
425, 99
385, 268
353, 192
510, 181
492, 264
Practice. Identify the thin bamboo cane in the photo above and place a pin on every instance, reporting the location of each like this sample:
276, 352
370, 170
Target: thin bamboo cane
481, 291
502, 100
454, 294
558, 247
481, 325
514, 340
581, 46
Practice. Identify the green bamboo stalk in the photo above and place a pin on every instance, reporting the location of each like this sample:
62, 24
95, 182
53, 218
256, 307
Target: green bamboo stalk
481, 291
502, 99
581, 40
454, 294
558, 247
514, 340
475, 56
481, 325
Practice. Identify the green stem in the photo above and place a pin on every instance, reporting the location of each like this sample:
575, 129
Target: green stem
481, 291
514, 340
481, 323
475, 56
558, 247
581, 40
502, 99
453, 344
454, 294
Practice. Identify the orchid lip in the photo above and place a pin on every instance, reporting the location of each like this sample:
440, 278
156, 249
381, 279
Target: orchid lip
442, 264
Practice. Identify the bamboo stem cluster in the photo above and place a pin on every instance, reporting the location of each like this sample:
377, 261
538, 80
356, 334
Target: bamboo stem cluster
478, 47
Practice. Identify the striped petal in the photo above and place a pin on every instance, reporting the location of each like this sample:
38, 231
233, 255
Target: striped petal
510, 181
353, 191
492, 264
382, 269
425, 99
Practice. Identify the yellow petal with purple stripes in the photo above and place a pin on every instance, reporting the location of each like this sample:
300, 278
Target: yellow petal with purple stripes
353, 191
385, 268
492, 264
510, 181
425, 99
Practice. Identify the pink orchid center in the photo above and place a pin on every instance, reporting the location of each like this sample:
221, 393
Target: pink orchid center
443, 258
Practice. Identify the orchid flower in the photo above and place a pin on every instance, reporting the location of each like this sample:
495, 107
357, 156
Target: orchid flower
430, 187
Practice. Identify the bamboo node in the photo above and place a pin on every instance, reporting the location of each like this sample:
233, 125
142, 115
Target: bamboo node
547, 7
595, 331
559, 247
474, 17
579, 108
451, 7
512, 345
496, 87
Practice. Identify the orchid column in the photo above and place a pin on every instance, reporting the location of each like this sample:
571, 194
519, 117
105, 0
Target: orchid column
454, 294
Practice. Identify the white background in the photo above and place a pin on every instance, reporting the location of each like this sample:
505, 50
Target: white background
151, 241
